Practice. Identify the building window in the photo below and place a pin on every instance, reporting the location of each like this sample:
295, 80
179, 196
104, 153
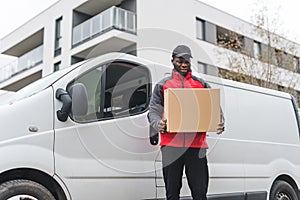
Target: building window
296, 64
257, 50
229, 39
279, 57
202, 68
58, 37
207, 69
56, 66
200, 28
280, 88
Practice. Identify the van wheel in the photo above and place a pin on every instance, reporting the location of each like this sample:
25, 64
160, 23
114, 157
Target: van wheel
281, 190
24, 190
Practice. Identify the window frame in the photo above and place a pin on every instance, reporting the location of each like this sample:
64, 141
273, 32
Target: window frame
56, 66
201, 23
100, 117
58, 36
257, 50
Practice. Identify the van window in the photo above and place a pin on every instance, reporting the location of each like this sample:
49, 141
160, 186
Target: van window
115, 90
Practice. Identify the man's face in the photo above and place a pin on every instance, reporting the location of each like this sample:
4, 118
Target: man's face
182, 65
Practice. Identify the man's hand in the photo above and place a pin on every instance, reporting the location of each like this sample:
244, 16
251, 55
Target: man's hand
220, 128
162, 125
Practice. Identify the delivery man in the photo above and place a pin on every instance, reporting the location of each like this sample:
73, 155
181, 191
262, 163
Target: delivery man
181, 150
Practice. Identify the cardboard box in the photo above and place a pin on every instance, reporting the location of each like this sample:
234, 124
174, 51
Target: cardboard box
192, 109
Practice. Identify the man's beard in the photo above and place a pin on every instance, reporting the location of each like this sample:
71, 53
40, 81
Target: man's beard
181, 73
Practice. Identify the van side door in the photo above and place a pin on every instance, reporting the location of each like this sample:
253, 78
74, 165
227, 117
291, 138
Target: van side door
106, 153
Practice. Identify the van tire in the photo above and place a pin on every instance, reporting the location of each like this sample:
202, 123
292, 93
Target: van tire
28, 189
282, 190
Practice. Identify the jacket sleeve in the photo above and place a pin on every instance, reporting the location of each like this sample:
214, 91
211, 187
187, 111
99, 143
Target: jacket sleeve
156, 107
205, 84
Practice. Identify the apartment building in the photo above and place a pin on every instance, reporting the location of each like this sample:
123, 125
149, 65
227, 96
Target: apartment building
71, 31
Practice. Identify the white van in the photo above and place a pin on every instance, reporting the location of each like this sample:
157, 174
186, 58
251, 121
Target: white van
82, 133
4, 94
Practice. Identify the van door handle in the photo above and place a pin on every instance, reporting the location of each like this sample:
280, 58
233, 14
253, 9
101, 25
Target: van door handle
33, 129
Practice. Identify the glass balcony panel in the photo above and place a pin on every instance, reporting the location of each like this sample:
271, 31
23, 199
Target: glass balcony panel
30, 59
40, 52
130, 22
96, 25
8, 70
22, 63
27, 61
76, 34
120, 19
111, 18
106, 20
86, 30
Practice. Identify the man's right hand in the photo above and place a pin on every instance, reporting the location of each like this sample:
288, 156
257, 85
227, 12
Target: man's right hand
162, 125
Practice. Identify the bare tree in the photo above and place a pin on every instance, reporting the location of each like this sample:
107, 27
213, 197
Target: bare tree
271, 63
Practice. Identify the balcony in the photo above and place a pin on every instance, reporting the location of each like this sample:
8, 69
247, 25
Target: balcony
112, 18
25, 62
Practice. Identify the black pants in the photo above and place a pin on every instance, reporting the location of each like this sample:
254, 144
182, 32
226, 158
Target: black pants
194, 160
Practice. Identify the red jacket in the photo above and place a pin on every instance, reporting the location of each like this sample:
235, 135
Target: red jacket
176, 80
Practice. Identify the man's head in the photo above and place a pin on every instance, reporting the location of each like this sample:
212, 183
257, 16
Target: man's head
181, 59
182, 51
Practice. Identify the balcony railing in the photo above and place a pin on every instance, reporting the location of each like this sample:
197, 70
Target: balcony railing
25, 62
113, 17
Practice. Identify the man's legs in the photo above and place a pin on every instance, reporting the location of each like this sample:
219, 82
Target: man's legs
196, 170
173, 164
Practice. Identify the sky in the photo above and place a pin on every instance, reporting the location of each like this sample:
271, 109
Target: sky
286, 12
14, 13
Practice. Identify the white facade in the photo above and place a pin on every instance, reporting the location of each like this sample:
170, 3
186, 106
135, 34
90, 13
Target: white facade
71, 31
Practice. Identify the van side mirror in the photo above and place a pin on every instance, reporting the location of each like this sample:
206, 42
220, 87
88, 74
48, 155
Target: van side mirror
74, 101
65, 98
79, 98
